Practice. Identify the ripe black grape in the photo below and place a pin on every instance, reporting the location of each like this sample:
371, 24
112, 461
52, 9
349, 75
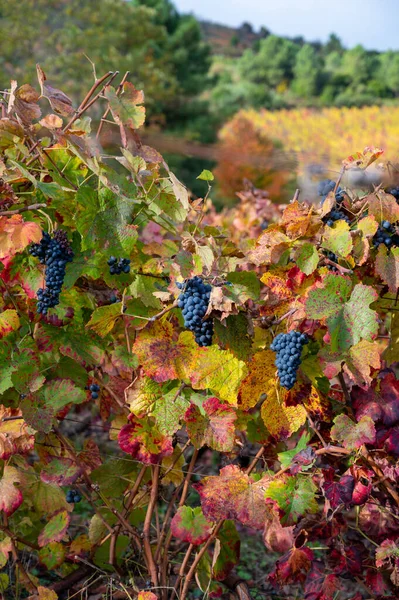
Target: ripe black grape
335, 215
94, 389
288, 347
118, 266
395, 193
194, 301
73, 496
54, 252
334, 258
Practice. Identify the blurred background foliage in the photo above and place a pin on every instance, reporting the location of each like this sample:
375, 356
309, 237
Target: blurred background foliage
196, 76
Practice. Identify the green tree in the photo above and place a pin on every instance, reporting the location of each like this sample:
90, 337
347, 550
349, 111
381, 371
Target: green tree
272, 64
307, 72
389, 70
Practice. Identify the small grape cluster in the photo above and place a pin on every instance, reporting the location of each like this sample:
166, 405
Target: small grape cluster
118, 266
94, 388
334, 258
194, 302
54, 252
73, 496
335, 215
288, 347
395, 193
386, 235
325, 187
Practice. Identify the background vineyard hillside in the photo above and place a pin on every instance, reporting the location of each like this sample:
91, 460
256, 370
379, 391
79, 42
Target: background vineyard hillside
310, 141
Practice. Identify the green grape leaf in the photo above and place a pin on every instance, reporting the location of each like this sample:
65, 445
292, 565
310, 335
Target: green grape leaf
55, 528
307, 258
295, 497
189, 525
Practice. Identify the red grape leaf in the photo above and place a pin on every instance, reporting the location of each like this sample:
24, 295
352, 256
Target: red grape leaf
295, 497
215, 429
353, 435
384, 554
189, 525
380, 401
234, 495
337, 492
10, 495
60, 471
292, 567
320, 586
55, 528
276, 537
143, 441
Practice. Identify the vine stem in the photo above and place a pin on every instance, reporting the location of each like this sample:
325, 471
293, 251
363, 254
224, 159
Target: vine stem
14, 551
16, 211
147, 526
213, 535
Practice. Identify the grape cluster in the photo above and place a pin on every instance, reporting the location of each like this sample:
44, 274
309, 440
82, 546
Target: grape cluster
194, 302
54, 252
94, 388
116, 267
335, 215
395, 193
288, 347
334, 258
73, 496
386, 235
325, 187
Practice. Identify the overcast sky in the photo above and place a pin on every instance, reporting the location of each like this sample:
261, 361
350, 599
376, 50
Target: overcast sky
372, 23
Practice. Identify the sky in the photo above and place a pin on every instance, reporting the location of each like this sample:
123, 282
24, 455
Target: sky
372, 23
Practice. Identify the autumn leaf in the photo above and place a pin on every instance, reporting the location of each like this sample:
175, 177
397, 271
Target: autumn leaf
361, 359
10, 496
227, 551
383, 207
281, 420
55, 528
52, 555
103, 319
60, 471
143, 441
260, 379
218, 370
189, 525
161, 355
215, 429
270, 247
295, 497
168, 410
16, 235
380, 402
234, 495
307, 258
353, 435
292, 567
337, 239
15, 435
147, 596
9, 322
387, 266
127, 109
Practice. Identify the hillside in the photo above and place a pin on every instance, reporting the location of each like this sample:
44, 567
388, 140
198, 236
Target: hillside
230, 41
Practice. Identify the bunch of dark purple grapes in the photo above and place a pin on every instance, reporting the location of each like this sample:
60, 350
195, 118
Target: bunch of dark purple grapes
194, 301
386, 234
73, 496
94, 389
288, 347
118, 266
54, 252
325, 187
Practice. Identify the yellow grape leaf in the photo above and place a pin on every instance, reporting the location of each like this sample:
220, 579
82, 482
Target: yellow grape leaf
103, 319
368, 225
219, 371
337, 239
280, 420
16, 437
46, 594
116, 425
260, 379
175, 475
392, 352
9, 321
362, 358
